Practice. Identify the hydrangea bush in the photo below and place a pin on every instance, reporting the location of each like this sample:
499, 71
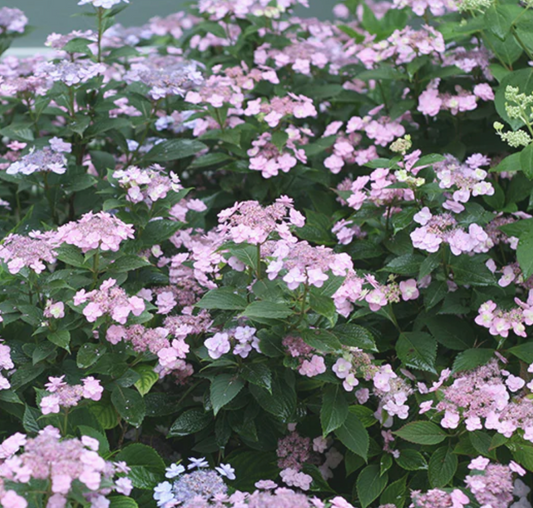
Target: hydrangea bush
251, 259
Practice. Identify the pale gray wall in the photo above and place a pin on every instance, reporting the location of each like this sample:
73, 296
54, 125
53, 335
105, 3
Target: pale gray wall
48, 16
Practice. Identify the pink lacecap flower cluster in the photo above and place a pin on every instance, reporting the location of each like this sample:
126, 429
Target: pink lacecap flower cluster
325, 48
48, 159
109, 299
171, 354
61, 462
435, 230
106, 4
228, 86
68, 72
403, 46
431, 101
219, 9
345, 149
468, 59
392, 390
273, 111
294, 451
30, 251
165, 75
202, 261
488, 397
5, 364
242, 339
147, 185
270, 159
501, 321
248, 221
311, 364
379, 192
466, 180
95, 231
64, 395
436, 7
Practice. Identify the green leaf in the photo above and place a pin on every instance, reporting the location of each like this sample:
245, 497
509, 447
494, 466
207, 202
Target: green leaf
322, 340
174, 149
510, 163
29, 420
526, 161
251, 466
472, 358
280, 402
105, 414
524, 253
322, 305
147, 467
70, 255
334, 410
482, 441
129, 404
500, 19
258, 374
355, 336
442, 467
417, 350
470, 271
209, 159
524, 351
422, 432
222, 298
411, 460
189, 422
354, 436
523, 454
224, 388
370, 484
88, 354
269, 310
148, 378
127, 264
60, 338
408, 264
246, 254
453, 333
157, 231
122, 502
394, 494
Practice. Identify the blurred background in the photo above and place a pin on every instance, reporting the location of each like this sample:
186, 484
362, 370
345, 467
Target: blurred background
62, 16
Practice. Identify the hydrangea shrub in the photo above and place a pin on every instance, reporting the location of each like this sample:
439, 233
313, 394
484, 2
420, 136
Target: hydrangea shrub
255, 259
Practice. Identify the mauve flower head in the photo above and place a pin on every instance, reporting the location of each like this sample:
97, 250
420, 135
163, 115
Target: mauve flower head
12, 20
95, 231
47, 160
105, 4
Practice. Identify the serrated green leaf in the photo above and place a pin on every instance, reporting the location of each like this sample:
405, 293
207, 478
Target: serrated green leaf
147, 379
334, 410
267, 310
222, 298
442, 467
224, 388
422, 432
370, 484
354, 436
417, 350
129, 404
189, 422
